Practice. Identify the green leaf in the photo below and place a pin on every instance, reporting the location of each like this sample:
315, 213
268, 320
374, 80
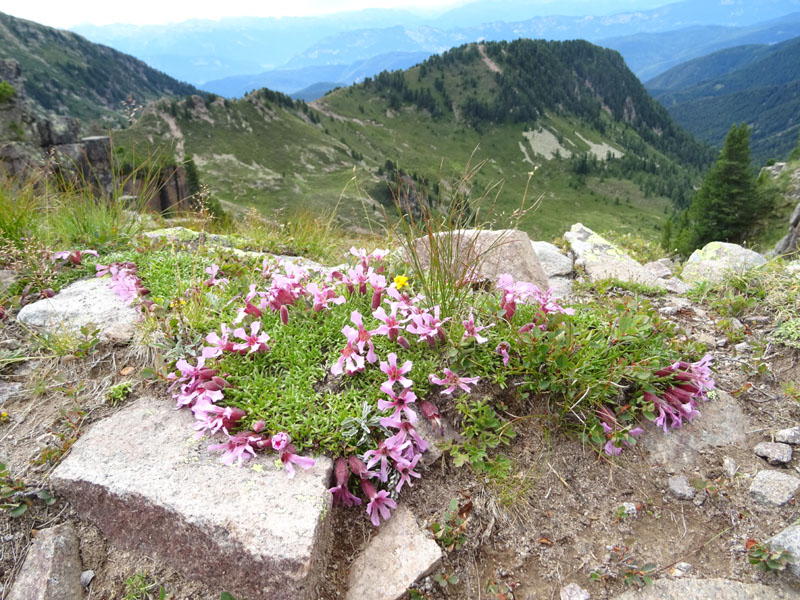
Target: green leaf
19, 510
226, 596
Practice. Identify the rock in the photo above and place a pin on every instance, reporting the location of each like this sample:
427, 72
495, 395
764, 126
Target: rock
496, 252
730, 467
775, 453
789, 243
140, 476
554, 262
560, 287
717, 259
789, 436
8, 390
675, 285
85, 301
602, 260
400, 554
774, 487
681, 569
722, 423
741, 348
52, 569
788, 539
660, 268
697, 589
668, 311
680, 487
434, 437
574, 592
87, 577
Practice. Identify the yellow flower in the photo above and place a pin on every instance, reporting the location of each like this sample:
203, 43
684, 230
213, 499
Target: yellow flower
400, 281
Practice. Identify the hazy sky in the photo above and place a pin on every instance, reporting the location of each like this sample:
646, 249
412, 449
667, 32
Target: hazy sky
103, 12
62, 14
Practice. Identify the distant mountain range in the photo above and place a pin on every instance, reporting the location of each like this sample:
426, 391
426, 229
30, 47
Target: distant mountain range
756, 84
204, 52
68, 75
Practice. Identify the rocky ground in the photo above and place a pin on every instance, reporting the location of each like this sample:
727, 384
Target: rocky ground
681, 508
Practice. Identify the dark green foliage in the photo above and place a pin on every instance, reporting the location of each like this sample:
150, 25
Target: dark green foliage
726, 205
66, 74
192, 176
7, 92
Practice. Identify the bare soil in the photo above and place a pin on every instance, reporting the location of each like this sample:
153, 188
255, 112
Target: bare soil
560, 520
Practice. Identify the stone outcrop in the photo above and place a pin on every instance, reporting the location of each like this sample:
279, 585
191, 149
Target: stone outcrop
150, 487
791, 241
683, 589
83, 302
714, 261
31, 143
52, 569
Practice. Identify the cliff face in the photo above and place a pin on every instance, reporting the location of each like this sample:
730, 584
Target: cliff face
31, 144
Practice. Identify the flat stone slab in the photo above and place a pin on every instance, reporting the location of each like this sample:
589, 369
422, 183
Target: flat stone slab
680, 487
83, 302
774, 487
52, 568
714, 261
721, 423
788, 539
400, 554
149, 486
602, 260
702, 589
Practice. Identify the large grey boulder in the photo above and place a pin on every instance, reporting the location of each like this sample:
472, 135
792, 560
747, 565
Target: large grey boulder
52, 568
696, 589
150, 487
83, 302
714, 261
602, 260
400, 554
485, 254
774, 487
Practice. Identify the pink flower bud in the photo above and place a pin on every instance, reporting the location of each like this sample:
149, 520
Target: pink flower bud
368, 489
259, 425
280, 440
403, 342
376, 299
358, 468
284, 314
340, 471
48, 293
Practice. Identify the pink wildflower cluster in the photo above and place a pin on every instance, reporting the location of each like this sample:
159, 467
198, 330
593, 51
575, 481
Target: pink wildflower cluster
124, 280
522, 292
690, 382
400, 452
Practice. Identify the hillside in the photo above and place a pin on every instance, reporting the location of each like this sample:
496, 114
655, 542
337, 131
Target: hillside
67, 75
758, 85
601, 148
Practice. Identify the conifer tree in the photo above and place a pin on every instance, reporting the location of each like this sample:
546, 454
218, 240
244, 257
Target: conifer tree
726, 205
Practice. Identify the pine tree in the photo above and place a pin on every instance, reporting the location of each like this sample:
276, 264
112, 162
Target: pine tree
726, 205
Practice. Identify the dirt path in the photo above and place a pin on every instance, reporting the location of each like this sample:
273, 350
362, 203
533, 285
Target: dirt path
488, 61
176, 133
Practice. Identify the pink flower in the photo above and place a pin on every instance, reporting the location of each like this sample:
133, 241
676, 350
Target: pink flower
342, 495
212, 280
382, 454
471, 331
391, 326
399, 403
253, 342
280, 440
452, 380
322, 297
405, 431
428, 326
378, 283
379, 503
211, 418
218, 344
290, 457
432, 414
350, 361
502, 349
73, 256
395, 373
239, 447
406, 470
362, 337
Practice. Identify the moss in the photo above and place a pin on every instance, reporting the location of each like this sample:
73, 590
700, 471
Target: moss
7, 92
